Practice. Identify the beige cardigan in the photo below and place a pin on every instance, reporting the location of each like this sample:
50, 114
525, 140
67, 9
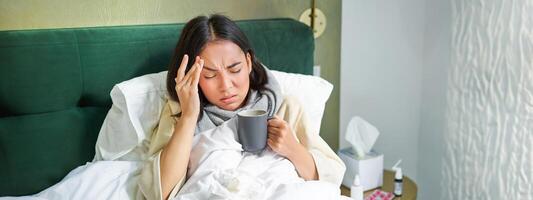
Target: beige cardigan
329, 166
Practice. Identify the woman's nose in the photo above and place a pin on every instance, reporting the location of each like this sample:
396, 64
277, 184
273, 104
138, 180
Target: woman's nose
225, 82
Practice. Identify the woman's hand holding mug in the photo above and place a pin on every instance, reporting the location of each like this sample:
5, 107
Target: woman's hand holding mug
281, 139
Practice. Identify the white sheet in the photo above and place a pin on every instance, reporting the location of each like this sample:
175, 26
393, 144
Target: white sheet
218, 169
94, 180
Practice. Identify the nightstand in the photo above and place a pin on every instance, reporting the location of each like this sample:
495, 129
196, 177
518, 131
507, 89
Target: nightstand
409, 186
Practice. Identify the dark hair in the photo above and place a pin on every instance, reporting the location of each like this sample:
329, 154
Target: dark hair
195, 35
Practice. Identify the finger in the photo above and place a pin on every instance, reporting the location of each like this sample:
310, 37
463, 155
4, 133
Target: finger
273, 135
195, 65
274, 144
191, 70
198, 72
274, 140
183, 65
271, 121
280, 123
180, 84
273, 129
275, 117
271, 144
186, 80
275, 122
191, 74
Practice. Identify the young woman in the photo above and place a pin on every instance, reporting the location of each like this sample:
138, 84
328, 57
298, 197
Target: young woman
213, 75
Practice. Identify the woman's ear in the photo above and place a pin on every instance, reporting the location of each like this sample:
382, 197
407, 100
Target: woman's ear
249, 62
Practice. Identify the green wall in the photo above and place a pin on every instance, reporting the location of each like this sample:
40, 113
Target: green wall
37, 14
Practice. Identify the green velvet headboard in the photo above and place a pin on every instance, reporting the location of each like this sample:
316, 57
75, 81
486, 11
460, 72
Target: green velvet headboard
55, 84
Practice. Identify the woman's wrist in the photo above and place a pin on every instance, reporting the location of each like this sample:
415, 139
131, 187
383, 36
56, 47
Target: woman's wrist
189, 116
186, 123
303, 162
298, 151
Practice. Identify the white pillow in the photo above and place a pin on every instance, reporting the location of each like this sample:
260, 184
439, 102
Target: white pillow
311, 91
138, 102
136, 109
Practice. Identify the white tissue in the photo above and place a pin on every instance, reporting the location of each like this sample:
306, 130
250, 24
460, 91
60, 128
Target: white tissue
361, 135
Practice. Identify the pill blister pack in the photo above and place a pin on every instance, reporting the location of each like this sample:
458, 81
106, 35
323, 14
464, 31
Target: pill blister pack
380, 195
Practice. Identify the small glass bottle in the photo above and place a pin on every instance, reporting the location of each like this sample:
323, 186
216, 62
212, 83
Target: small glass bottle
398, 183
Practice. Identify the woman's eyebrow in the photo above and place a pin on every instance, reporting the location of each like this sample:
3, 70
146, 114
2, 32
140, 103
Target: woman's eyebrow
229, 66
233, 65
210, 69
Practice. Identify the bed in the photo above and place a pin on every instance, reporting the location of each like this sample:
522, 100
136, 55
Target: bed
55, 86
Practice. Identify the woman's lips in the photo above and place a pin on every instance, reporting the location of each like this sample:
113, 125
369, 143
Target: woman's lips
229, 99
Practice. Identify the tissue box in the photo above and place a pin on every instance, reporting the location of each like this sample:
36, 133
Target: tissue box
370, 168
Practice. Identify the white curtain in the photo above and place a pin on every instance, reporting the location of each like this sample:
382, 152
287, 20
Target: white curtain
489, 135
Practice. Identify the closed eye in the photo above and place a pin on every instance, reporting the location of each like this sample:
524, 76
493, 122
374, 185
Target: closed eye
208, 76
235, 70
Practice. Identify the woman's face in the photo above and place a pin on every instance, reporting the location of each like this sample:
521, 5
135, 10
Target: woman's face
224, 79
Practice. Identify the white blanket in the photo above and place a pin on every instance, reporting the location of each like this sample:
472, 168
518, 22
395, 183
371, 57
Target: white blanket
218, 169
96, 180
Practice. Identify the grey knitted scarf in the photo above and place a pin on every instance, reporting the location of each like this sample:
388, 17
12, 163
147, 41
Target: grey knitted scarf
269, 100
